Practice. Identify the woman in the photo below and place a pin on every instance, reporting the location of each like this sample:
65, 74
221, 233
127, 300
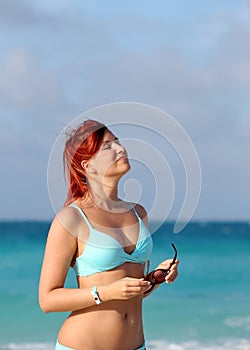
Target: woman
106, 241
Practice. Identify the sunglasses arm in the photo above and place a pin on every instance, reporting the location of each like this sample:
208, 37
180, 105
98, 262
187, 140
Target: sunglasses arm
153, 279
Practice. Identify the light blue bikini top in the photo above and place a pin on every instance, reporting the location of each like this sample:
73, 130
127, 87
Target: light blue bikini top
103, 252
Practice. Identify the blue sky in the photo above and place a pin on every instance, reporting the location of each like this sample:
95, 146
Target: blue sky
189, 58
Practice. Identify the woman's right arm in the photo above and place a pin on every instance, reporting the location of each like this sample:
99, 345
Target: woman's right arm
60, 249
53, 297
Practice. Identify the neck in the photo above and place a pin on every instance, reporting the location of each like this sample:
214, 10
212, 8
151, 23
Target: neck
104, 195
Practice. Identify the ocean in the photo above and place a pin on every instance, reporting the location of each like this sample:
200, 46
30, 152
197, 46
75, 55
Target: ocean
207, 308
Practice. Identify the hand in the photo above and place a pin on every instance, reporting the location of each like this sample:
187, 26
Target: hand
170, 278
125, 288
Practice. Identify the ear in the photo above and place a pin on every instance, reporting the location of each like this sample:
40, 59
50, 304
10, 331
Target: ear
87, 166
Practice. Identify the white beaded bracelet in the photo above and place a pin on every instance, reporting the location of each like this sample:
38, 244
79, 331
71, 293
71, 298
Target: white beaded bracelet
95, 295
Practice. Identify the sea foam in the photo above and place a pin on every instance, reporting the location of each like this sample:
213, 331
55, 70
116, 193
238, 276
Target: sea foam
226, 344
238, 322
220, 344
28, 346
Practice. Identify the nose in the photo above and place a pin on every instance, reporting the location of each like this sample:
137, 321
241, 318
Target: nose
119, 148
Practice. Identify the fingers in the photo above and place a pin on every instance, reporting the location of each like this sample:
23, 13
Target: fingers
137, 283
134, 286
167, 264
171, 277
173, 274
170, 261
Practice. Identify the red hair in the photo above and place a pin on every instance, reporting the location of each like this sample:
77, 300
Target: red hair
82, 144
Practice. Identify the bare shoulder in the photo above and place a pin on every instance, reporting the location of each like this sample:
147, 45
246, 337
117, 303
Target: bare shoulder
141, 211
67, 216
68, 222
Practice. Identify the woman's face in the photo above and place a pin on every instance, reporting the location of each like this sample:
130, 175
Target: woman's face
112, 159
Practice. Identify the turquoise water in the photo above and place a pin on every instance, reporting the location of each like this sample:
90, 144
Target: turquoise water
208, 307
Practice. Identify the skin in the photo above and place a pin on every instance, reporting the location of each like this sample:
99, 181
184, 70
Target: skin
117, 322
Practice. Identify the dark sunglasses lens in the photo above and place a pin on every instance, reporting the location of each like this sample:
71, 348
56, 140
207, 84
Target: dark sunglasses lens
159, 275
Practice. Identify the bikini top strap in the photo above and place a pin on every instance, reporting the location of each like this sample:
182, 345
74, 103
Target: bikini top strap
133, 208
83, 215
87, 220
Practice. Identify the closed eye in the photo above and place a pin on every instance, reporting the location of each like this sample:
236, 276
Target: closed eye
107, 143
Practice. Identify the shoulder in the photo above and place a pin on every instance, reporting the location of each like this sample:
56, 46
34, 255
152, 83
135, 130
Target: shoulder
67, 222
141, 211
67, 217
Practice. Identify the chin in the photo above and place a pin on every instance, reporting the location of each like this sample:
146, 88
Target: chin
126, 167
119, 171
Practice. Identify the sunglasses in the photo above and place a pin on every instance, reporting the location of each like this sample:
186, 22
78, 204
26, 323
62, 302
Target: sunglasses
158, 276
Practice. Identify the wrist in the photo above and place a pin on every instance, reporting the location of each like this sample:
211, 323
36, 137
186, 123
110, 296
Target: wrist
104, 294
95, 295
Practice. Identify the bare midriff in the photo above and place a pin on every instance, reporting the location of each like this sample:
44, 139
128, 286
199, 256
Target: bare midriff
114, 324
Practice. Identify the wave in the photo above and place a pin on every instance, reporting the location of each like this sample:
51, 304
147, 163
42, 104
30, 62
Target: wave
28, 346
219, 344
238, 322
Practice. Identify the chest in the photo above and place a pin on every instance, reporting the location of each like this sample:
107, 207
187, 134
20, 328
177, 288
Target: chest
123, 227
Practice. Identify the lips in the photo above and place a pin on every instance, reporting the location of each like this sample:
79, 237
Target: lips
122, 158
